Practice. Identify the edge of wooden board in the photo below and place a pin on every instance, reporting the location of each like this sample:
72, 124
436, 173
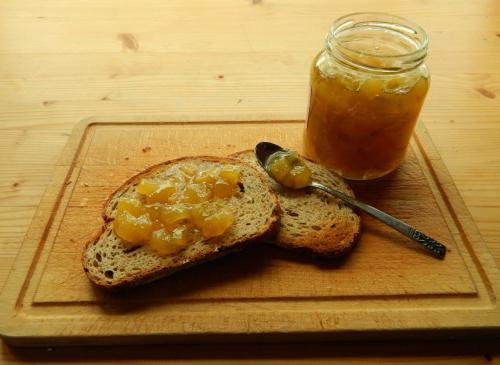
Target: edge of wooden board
17, 328
458, 209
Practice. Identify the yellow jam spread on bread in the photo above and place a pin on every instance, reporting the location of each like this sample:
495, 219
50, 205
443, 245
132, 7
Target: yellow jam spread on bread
168, 213
287, 168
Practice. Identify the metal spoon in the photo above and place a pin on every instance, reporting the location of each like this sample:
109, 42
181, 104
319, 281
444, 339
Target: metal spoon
265, 149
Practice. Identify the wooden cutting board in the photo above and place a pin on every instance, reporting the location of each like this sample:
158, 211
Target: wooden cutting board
387, 287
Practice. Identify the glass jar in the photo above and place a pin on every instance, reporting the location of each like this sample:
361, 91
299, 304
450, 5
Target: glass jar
367, 88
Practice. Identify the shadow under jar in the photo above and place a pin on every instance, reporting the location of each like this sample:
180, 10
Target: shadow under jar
367, 88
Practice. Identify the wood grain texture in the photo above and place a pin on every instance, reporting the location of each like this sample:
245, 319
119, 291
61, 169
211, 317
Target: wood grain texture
386, 287
117, 152
63, 62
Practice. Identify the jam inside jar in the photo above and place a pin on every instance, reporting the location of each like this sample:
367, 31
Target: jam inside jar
367, 88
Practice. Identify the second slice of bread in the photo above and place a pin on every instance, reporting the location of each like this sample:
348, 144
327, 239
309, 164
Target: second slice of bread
312, 221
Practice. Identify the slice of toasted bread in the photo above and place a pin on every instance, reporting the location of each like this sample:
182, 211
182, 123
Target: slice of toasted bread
110, 263
313, 221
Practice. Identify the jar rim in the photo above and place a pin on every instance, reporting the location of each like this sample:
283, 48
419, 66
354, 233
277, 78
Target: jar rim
394, 25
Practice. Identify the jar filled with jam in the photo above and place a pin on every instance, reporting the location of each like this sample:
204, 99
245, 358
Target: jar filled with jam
367, 88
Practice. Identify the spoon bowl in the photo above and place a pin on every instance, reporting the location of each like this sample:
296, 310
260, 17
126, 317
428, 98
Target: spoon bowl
263, 150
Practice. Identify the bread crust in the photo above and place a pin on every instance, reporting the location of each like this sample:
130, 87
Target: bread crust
159, 271
316, 244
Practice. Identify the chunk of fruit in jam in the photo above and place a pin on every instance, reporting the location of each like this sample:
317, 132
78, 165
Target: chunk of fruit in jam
230, 174
196, 193
300, 176
166, 243
147, 187
217, 224
197, 216
162, 193
133, 229
280, 168
206, 176
132, 206
289, 170
212, 223
222, 189
174, 215
181, 236
154, 211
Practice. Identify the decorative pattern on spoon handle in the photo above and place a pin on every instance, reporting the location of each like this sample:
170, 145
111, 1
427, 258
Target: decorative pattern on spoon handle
430, 243
437, 249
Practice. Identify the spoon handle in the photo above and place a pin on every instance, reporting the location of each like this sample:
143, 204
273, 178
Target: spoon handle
430, 244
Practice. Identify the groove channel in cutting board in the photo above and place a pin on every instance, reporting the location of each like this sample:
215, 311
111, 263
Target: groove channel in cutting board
383, 264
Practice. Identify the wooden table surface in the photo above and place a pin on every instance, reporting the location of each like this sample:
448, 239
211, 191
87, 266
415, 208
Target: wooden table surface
62, 61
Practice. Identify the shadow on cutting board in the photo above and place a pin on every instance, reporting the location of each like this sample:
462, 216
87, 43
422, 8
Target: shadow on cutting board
225, 278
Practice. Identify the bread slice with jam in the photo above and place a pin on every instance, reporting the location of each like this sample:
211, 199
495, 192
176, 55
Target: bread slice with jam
111, 262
